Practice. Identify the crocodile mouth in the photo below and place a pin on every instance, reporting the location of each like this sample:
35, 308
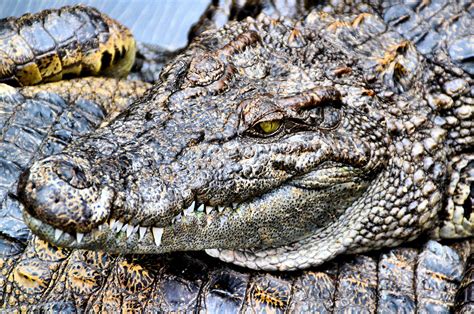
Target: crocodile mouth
147, 236
295, 210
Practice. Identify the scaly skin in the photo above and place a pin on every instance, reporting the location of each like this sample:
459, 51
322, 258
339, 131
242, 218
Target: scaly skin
409, 279
358, 159
68, 42
48, 278
39, 276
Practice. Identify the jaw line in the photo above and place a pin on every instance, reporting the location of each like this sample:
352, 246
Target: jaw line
106, 236
119, 237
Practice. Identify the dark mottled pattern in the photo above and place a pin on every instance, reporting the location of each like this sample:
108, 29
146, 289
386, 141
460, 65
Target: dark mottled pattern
68, 42
43, 277
386, 281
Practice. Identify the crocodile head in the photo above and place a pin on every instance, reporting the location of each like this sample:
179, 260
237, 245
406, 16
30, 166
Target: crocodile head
263, 143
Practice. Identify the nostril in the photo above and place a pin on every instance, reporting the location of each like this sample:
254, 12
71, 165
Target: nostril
72, 174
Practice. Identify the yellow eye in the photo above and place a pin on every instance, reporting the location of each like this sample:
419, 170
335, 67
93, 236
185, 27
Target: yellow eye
269, 127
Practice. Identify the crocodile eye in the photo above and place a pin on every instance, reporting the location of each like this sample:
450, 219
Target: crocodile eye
268, 127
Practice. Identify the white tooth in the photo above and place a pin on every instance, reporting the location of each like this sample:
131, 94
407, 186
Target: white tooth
213, 252
79, 237
57, 234
157, 234
118, 225
100, 227
175, 218
112, 223
129, 230
208, 209
124, 228
235, 205
220, 209
200, 208
142, 231
190, 209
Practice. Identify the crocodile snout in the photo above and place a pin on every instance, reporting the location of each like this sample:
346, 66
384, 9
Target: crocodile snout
64, 192
71, 173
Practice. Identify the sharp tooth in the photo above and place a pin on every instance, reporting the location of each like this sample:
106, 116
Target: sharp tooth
175, 218
190, 209
235, 205
142, 231
100, 227
200, 208
208, 209
79, 237
124, 228
119, 226
112, 223
157, 234
57, 234
129, 230
220, 209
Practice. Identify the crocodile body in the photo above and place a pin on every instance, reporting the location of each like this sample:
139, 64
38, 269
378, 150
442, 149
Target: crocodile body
327, 107
65, 43
43, 272
426, 278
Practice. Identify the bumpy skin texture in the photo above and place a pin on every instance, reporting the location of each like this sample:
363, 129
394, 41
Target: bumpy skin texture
68, 42
387, 282
408, 279
40, 121
365, 128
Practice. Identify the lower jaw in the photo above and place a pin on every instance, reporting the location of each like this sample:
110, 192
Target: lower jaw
129, 240
115, 237
194, 232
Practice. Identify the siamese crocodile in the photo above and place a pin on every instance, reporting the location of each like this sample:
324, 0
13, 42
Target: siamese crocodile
276, 145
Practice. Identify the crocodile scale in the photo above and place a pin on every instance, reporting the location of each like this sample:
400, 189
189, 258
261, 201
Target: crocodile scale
43, 277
